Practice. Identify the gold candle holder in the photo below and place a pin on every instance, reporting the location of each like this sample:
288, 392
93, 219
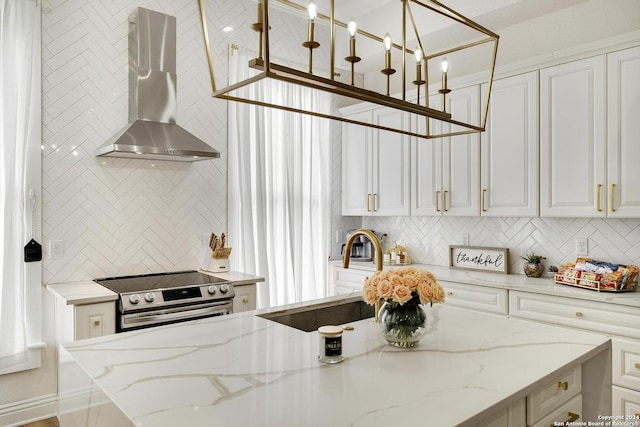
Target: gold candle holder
444, 91
387, 70
259, 28
418, 81
352, 58
311, 43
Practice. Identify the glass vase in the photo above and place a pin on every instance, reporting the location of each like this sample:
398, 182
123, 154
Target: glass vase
402, 325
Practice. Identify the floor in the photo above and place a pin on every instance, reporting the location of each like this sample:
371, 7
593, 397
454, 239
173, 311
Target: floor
50, 422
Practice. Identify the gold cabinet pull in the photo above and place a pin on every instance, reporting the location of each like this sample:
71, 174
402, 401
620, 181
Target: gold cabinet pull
437, 201
578, 314
637, 365
598, 188
375, 202
369, 202
484, 191
572, 417
612, 208
444, 201
563, 385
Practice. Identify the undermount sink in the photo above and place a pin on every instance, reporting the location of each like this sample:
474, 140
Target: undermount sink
310, 318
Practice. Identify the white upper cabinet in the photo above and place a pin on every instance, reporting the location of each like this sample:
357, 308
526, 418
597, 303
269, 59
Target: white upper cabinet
509, 157
375, 166
623, 139
445, 177
572, 139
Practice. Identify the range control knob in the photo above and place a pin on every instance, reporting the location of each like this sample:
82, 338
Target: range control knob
148, 297
212, 289
224, 288
134, 299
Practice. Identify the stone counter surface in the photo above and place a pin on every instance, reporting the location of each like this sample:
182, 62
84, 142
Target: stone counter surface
517, 282
243, 370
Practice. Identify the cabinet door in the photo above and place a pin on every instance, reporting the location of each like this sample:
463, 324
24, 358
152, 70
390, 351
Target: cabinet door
509, 158
426, 167
461, 156
356, 166
623, 144
94, 320
390, 171
572, 139
245, 298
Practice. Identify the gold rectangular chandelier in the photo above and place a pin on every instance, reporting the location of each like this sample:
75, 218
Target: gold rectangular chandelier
318, 51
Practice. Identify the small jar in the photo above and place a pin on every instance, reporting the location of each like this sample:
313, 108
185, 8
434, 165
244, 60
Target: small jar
330, 346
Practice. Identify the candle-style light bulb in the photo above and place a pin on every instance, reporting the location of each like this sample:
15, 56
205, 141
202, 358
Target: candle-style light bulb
313, 10
418, 55
352, 26
260, 12
445, 65
387, 42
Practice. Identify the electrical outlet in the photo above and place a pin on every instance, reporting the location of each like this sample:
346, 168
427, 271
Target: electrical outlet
582, 246
56, 249
339, 236
464, 239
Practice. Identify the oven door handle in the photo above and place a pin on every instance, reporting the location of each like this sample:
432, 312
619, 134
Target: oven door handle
177, 313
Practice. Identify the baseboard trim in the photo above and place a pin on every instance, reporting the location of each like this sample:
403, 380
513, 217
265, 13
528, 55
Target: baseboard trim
29, 410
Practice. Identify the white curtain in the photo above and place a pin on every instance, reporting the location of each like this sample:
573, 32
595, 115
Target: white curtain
279, 189
19, 132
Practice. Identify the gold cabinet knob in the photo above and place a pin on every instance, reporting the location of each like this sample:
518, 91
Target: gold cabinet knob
563, 385
96, 323
245, 300
578, 314
449, 293
637, 365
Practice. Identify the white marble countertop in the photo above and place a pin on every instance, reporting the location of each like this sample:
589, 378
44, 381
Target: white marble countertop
80, 293
89, 292
238, 278
243, 370
517, 282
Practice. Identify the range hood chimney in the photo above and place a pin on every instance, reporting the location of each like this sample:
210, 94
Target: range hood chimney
152, 132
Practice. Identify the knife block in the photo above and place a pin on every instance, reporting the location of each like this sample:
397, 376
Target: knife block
217, 265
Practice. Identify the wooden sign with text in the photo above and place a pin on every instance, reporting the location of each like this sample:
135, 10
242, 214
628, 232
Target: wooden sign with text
491, 260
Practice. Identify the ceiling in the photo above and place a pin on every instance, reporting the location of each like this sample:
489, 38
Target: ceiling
382, 16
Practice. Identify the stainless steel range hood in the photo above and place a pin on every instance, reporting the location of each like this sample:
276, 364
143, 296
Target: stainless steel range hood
152, 132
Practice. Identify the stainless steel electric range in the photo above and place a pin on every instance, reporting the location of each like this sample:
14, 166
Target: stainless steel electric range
156, 299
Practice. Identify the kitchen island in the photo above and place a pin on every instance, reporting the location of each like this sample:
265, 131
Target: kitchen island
244, 370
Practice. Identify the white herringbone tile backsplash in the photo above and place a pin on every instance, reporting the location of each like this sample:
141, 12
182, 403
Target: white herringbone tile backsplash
428, 238
122, 216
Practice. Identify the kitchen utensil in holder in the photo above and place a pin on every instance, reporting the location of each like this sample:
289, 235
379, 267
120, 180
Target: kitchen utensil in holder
219, 260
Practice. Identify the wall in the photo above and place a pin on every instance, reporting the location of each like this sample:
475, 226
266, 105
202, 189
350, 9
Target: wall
565, 31
115, 216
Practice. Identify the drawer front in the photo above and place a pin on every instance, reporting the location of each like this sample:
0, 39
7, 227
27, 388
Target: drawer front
626, 403
570, 411
351, 278
595, 316
551, 396
514, 416
626, 363
491, 300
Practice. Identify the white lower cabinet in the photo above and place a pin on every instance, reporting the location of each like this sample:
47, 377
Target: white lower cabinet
480, 298
626, 403
620, 322
347, 280
77, 322
245, 298
548, 400
514, 416
565, 415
